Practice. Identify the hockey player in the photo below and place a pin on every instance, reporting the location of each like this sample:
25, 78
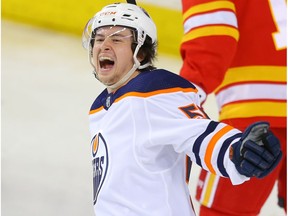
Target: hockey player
238, 50
147, 120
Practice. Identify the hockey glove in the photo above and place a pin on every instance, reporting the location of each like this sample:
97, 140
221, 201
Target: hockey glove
258, 151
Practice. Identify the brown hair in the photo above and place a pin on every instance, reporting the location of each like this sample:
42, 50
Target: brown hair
147, 51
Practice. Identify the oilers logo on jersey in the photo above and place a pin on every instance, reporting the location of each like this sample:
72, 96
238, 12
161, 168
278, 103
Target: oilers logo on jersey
99, 163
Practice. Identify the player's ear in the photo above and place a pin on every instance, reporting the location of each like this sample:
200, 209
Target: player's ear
141, 56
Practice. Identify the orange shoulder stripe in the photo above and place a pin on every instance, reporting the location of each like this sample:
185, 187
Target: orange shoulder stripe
148, 94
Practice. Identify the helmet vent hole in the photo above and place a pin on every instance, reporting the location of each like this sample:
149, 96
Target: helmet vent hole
126, 15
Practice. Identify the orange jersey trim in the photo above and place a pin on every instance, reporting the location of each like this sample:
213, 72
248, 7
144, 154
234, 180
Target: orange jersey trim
148, 94
211, 146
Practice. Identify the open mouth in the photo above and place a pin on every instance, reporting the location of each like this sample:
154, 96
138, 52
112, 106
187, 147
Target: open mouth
106, 63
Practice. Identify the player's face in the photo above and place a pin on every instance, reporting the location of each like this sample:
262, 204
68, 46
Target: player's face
112, 53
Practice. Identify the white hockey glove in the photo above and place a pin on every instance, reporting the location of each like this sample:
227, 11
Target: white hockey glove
258, 151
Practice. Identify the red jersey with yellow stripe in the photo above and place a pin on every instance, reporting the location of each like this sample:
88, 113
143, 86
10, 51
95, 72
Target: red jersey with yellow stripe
141, 135
224, 53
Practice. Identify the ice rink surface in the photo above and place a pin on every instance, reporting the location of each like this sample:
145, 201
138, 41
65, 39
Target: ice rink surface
47, 90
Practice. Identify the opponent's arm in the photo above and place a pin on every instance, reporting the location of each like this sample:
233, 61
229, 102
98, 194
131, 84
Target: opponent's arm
209, 42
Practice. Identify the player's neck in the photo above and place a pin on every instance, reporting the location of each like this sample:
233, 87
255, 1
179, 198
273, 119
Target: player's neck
112, 90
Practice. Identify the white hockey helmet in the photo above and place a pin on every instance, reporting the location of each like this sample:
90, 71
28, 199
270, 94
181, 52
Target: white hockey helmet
122, 14
126, 15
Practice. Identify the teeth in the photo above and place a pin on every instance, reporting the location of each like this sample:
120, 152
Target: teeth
103, 58
106, 62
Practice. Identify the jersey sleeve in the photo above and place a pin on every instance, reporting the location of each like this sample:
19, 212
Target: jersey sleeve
209, 42
175, 123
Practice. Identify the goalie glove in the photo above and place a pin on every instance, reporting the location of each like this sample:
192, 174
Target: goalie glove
258, 151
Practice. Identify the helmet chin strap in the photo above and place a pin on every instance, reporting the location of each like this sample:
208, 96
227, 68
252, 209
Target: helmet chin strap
126, 77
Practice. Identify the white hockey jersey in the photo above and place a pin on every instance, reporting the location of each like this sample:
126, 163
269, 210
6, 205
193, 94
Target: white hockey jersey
141, 135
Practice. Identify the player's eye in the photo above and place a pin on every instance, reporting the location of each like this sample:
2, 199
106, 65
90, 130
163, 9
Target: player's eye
99, 39
117, 39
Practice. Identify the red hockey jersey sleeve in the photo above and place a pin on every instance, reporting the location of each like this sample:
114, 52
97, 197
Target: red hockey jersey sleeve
238, 51
209, 42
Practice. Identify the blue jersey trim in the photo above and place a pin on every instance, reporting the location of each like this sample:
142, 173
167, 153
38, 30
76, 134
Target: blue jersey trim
146, 81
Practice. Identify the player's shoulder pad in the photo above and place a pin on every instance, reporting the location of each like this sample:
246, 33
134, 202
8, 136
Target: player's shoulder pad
99, 100
157, 79
146, 82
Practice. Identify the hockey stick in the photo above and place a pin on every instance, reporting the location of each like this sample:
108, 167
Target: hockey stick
132, 2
